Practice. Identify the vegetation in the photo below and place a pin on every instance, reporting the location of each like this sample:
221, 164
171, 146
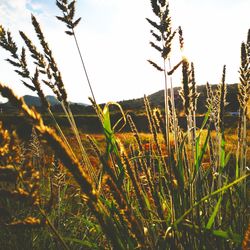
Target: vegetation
136, 105
173, 188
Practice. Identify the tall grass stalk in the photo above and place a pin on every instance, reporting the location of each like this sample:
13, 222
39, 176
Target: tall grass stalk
221, 136
85, 158
175, 119
19, 62
164, 36
57, 87
68, 11
218, 191
243, 97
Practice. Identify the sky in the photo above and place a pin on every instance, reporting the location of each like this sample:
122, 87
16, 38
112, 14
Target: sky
114, 39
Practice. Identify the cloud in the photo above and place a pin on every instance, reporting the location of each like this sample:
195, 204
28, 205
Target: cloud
12, 11
36, 8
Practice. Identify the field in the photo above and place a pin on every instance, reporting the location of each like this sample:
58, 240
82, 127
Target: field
166, 177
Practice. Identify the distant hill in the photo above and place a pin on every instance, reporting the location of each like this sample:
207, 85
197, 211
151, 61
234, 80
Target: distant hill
35, 101
137, 105
87, 120
157, 100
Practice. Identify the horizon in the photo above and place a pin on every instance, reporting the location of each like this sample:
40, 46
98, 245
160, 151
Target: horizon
124, 100
106, 36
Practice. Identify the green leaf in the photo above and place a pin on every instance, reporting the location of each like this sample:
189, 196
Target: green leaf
201, 152
228, 235
85, 243
237, 166
197, 149
212, 217
147, 201
180, 168
205, 119
226, 159
110, 136
106, 119
218, 191
222, 153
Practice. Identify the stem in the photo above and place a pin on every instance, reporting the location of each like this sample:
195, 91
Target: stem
168, 143
61, 132
85, 158
83, 65
51, 226
175, 122
209, 196
44, 215
166, 107
244, 159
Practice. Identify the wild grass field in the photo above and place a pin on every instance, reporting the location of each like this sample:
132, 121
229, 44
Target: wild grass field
174, 187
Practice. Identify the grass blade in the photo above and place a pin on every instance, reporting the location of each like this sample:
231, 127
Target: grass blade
212, 217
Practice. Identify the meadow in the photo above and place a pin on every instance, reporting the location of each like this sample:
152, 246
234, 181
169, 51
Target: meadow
169, 187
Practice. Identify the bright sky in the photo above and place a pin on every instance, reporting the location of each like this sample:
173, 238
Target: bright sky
114, 38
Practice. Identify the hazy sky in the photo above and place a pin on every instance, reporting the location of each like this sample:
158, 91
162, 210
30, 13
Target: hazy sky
114, 38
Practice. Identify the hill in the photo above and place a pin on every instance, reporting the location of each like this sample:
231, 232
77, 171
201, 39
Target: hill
137, 105
35, 101
157, 100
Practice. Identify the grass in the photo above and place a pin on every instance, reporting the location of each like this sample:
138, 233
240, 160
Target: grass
172, 188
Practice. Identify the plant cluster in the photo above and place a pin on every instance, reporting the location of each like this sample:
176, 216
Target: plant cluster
181, 190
